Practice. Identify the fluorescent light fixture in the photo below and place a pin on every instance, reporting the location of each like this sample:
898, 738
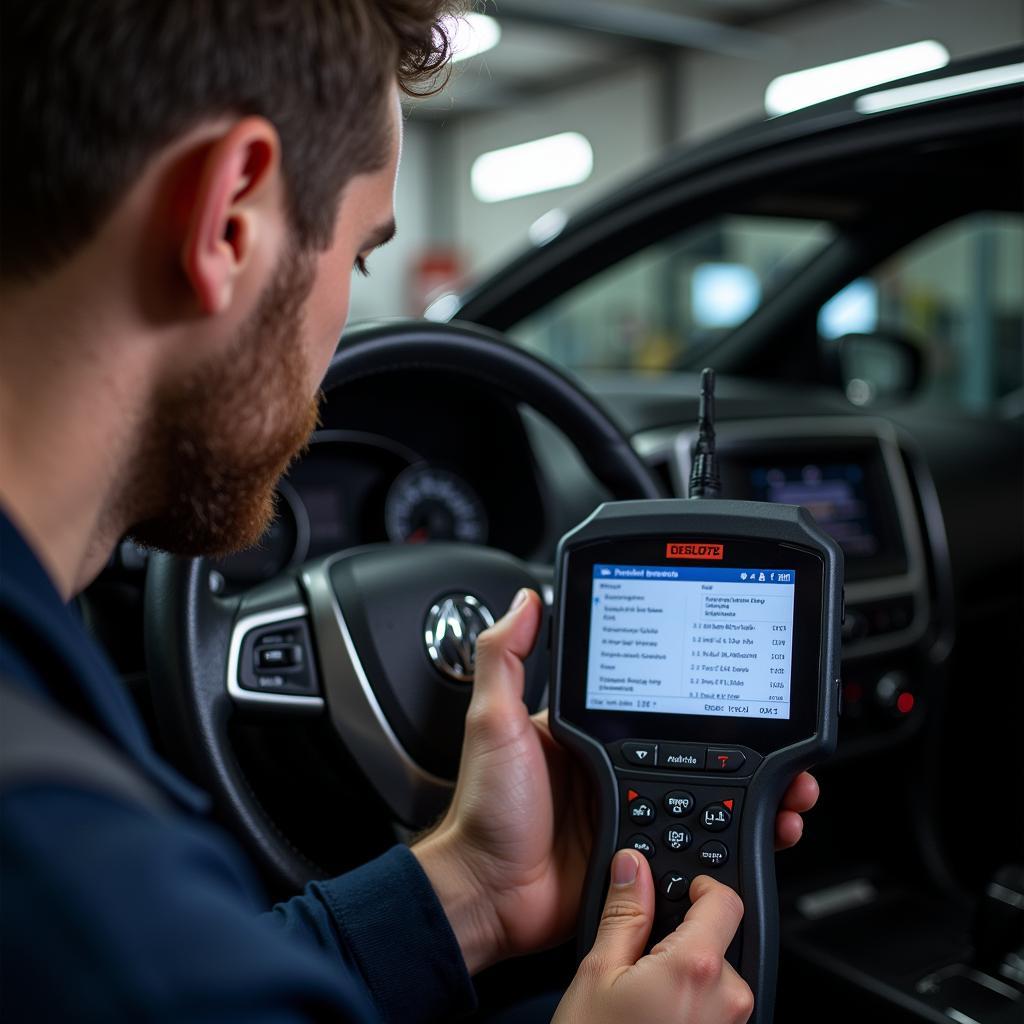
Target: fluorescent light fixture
556, 161
813, 85
854, 310
443, 308
940, 88
547, 227
471, 34
723, 294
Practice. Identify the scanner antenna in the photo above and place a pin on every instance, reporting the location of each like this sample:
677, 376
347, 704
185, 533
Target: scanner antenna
704, 478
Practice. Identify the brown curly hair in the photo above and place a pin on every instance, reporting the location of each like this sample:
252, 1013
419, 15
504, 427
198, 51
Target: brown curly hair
91, 89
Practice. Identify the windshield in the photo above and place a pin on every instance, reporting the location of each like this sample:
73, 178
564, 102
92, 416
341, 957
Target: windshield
664, 306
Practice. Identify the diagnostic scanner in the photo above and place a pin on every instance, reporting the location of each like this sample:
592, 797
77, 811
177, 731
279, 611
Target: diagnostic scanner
695, 672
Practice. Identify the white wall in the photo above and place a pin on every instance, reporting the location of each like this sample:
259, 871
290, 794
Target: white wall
619, 116
722, 91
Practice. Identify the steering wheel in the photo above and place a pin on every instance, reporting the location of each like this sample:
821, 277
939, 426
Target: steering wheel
379, 638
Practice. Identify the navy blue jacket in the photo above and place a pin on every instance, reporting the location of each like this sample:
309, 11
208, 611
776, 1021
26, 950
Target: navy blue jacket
111, 912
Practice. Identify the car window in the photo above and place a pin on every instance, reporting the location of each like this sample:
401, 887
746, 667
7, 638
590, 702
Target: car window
658, 308
956, 295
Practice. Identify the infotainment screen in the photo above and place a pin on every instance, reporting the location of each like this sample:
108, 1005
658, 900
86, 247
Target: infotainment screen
691, 640
833, 494
845, 483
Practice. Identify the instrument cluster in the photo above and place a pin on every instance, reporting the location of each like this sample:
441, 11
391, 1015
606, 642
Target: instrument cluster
350, 488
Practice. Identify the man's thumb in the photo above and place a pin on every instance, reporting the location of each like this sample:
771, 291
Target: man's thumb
501, 650
628, 911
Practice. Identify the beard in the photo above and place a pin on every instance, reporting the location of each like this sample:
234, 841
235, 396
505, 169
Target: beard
219, 441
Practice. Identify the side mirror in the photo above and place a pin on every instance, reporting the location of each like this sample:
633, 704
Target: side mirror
882, 366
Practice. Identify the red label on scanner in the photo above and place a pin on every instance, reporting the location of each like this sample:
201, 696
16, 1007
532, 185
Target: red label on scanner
700, 551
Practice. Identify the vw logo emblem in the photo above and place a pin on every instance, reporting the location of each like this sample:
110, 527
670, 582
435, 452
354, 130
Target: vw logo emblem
450, 633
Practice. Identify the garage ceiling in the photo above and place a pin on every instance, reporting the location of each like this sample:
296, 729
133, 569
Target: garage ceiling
549, 44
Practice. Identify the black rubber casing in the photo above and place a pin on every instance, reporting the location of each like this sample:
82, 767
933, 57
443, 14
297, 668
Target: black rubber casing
677, 520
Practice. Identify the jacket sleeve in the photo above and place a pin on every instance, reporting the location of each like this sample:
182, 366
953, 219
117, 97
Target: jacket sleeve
149, 917
386, 922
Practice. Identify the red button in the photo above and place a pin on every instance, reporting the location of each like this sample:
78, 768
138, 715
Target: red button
722, 759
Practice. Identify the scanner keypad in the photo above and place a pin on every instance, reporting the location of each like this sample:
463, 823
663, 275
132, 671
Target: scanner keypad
682, 804
682, 833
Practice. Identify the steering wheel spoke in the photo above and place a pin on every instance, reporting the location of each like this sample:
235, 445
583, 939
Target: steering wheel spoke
414, 794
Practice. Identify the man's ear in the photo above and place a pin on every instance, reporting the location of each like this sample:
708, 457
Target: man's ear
232, 201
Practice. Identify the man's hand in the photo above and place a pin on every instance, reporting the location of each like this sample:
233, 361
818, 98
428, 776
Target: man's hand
685, 979
509, 857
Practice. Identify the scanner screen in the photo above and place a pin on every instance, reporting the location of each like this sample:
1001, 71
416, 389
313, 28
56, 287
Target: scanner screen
691, 640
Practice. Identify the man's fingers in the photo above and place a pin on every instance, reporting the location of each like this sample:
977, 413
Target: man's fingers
789, 827
501, 649
713, 917
802, 794
628, 913
799, 798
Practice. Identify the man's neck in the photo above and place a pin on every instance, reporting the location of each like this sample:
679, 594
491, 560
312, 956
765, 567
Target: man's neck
67, 420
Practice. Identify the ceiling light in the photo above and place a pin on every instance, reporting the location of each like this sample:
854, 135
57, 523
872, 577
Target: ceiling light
939, 89
471, 34
813, 85
556, 161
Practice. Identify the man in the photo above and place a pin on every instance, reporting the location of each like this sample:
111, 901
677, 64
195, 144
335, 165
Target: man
187, 186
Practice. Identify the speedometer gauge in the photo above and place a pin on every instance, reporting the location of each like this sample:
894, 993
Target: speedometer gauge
428, 503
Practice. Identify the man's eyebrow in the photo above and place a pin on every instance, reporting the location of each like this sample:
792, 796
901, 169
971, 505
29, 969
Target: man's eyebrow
379, 236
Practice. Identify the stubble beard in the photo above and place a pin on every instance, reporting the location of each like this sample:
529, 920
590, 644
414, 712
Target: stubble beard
220, 440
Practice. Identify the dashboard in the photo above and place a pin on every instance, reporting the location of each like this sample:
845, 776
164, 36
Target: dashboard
355, 486
412, 458
419, 475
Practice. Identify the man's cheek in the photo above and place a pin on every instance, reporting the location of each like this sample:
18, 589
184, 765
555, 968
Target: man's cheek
324, 326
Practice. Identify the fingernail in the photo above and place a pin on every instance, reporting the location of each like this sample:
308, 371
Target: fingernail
624, 868
519, 600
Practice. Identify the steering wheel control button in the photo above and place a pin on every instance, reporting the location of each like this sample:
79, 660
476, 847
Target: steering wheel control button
275, 660
641, 844
713, 854
682, 756
678, 803
643, 755
725, 759
674, 886
717, 817
640, 810
278, 656
269, 681
678, 838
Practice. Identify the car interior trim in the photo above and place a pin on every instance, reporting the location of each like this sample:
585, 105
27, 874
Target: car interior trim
303, 529
370, 440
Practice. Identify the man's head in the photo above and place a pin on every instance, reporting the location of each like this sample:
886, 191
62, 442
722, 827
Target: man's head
208, 173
